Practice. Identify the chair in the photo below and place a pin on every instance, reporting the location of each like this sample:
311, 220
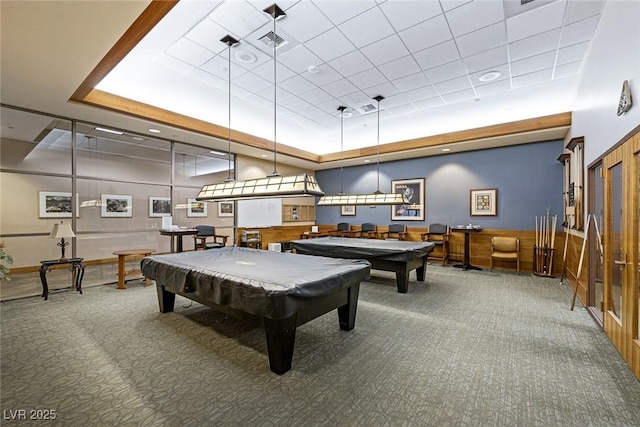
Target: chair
343, 230
205, 232
395, 232
368, 230
505, 248
438, 234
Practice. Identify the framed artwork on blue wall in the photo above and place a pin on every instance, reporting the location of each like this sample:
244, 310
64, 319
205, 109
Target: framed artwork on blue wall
413, 189
484, 202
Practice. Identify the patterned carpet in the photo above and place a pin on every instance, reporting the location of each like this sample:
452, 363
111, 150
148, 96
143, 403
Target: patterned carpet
468, 348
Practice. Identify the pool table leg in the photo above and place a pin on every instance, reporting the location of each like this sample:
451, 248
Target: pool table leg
420, 270
402, 278
347, 313
281, 336
166, 299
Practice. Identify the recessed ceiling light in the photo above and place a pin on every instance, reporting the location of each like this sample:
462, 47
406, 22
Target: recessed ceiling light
446, 149
217, 153
264, 155
153, 130
137, 138
245, 57
346, 114
367, 160
109, 131
489, 76
313, 69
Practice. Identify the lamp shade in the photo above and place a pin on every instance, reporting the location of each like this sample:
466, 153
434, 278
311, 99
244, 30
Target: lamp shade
62, 230
272, 186
364, 199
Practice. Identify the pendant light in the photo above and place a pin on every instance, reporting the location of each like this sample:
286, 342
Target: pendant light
375, 198
274, 184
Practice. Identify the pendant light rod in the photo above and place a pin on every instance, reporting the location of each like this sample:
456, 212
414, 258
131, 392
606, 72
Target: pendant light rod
378, 98
229, 41
341, 109
276, 13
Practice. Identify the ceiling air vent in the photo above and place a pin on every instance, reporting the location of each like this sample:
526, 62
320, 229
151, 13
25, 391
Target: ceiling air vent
270, 38
365, 108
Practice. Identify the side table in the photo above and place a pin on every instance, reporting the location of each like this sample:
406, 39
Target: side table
77, 267
121, 262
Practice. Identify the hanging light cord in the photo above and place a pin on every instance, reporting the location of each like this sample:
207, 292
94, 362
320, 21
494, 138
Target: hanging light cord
275, 104
378, 145
229, 122
341, 109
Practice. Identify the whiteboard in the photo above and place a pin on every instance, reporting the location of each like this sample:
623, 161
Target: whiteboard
259, 213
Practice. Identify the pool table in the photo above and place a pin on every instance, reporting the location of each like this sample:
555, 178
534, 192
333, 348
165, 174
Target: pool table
285, 290
389, 255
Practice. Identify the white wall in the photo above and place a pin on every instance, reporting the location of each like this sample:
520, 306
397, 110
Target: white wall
614, 56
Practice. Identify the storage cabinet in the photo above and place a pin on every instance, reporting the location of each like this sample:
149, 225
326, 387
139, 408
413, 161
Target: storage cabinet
295, 213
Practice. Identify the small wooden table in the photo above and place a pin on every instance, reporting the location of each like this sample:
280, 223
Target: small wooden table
312, 235
178, 233
121, 262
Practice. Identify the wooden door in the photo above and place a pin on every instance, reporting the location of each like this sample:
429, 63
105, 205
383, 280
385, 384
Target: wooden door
621, 253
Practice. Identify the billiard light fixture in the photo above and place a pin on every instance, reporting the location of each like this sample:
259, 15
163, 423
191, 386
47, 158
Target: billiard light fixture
274, 184
373, 199
62, 231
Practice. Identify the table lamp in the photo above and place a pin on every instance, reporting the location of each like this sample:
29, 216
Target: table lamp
60, 231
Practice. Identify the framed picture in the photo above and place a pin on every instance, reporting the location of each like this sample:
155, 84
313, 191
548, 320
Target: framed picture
56, 204
348, 210
413, 189
116, 205
484, 202
196, 208
159, 206
225, 208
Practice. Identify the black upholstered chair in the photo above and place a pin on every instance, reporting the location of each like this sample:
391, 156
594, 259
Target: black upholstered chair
343, 230
368, 230
207, 232
395, 232
438, 234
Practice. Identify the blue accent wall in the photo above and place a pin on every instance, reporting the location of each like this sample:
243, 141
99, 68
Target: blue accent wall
528, 178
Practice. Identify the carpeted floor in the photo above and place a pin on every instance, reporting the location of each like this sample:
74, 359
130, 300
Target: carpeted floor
468, 348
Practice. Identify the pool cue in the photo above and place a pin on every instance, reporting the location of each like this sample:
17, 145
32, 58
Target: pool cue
584, 245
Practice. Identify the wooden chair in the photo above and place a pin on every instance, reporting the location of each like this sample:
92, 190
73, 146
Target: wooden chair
438, 234
368, 230
343, 230
505, 249
395, 232
205, 232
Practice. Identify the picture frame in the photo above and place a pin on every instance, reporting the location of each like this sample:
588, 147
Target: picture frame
348, 210
413, 189
225, 209
116, 206
483, 202
196, 208
56, 204
159, 206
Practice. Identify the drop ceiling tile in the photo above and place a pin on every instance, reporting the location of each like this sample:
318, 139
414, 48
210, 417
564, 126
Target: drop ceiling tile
493, 88
339, 11
502, 69
252, 82
325, 75
298, 18
294, 103
413, 81
399, 67
385, 50
355, 98
368, 78
208, 34
533, 64
536, 21
534, 45
454, 85
297, 85
446, 72
266, 94
394, 101
452, 4
209, 79
330, 45
219, 67
351, 63
266, 72
580, 31
299, 59
385, 89
572, 53
367, 28
474, 15
463, 95
243, 49
531, 79
420, 94
403, 14
425, 104
330, 107
426, 34
340, 88
483, 39
567, 70
402, 110
487, 59
577, 10
239, 17
437, 55
190, 52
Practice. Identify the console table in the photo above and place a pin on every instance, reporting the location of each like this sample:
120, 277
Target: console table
77, 267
